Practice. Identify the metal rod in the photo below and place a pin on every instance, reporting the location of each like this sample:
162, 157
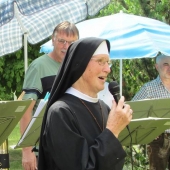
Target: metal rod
25, 32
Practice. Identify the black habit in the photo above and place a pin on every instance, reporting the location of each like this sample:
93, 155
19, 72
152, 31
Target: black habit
70, 137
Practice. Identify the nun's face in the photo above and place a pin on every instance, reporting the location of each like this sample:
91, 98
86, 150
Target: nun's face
94, 77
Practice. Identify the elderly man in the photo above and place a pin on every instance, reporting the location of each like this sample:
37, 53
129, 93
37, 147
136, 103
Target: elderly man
159, 149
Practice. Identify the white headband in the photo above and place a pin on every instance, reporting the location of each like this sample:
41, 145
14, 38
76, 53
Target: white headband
102, 49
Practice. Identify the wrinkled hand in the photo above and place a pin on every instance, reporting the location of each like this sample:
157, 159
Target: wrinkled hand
29, 161
119, 117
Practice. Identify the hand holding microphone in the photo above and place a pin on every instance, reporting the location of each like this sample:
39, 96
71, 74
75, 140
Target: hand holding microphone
120, 114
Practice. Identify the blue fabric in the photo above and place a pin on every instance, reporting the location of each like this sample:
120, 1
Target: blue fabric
130, 36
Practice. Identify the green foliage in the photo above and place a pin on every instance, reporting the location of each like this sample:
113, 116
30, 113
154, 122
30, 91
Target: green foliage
159, 10
134, 74
136, 157
12, 71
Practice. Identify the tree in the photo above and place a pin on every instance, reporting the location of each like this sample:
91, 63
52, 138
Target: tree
12, 71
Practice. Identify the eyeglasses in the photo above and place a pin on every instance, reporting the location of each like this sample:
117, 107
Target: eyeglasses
63, 42
102, 61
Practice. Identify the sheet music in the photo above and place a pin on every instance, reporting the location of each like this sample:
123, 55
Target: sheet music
41, 105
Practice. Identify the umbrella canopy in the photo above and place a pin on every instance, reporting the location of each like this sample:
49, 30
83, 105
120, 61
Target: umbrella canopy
36, 19
131, 36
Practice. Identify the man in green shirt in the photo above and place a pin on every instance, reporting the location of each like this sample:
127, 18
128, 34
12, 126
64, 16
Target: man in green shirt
40, 76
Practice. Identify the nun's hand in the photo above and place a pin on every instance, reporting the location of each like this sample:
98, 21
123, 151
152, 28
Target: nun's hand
119, 117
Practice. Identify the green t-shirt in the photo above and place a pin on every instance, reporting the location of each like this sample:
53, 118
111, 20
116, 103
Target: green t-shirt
39, 77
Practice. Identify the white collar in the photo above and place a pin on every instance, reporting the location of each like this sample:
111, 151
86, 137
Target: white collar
81, 95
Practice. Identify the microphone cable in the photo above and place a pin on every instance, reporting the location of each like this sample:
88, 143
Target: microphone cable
130, 146
115, 91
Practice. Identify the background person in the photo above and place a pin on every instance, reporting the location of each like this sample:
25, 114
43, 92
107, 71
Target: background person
79, 131
40, 76
105, 95
159, 149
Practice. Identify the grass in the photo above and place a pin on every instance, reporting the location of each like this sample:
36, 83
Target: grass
15, 157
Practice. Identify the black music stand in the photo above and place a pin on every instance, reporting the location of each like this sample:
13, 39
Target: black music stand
10, 114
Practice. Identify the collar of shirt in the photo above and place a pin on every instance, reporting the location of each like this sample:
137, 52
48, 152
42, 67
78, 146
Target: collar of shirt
81, 95
159, 81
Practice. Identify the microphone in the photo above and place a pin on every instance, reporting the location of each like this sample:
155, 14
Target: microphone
114, 90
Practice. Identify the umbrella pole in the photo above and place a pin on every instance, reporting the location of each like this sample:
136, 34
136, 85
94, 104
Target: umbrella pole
25, 32
25, 51
121, 67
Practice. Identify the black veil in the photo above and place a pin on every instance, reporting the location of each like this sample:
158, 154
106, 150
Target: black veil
74, 64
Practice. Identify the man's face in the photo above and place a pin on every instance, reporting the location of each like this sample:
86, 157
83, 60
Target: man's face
61, 43
93, 79
163, 67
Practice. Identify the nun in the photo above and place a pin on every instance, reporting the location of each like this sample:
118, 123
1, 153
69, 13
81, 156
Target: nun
79, 131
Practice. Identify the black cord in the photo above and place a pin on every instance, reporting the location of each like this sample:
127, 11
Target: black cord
131, 151
34, 149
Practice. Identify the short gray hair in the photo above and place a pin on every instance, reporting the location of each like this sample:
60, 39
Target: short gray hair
160, 56
67, 27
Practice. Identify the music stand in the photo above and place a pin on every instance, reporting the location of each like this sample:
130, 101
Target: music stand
143, 131
150, 119
10, 114
150, 108
31, 135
